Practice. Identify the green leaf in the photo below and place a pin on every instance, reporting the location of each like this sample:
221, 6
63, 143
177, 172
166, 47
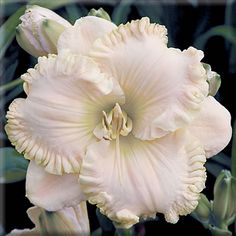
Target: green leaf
162, 14
233, 156
12, 165
42, 3
7, 30
121, 12
11, 95
7, 2
154, 13
8, 8
74, 12
10, 70
221, 159
10, 85
51, 4
227, 32
8, 98
214, 168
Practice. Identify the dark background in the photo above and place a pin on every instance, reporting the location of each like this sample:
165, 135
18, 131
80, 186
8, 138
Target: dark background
186, 22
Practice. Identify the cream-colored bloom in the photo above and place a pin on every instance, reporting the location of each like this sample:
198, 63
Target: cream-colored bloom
39, 31
126, 115
68, 221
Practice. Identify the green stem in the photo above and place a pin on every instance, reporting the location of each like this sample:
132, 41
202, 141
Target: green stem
124, 232
10, 85
220, 232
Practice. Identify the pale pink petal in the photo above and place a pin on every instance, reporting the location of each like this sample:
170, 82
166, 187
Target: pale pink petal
137, 179
212, 126
164, 87
52, 192
80, 37
54, 124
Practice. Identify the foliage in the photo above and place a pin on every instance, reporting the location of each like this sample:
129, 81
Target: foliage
12, 165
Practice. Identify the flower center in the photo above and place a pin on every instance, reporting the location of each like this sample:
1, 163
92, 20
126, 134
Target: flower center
113, 124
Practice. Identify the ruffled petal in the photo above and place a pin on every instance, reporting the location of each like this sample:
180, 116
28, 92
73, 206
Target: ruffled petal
144, 177
80, 37
52, 192
54, 124
163, 86
212, 126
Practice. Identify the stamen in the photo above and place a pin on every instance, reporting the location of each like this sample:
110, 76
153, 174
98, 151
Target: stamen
113, 124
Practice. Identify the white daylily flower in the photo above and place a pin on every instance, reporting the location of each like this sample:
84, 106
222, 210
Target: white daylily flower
126, 115
39, 31
68, 221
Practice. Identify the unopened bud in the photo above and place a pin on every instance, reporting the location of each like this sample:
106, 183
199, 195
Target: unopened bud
68, 221
213, 80
39, 31
99, 13
202, 211
224, 204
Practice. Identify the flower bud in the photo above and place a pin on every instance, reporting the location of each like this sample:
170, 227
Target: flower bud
202, 211
71, 220
99, 13
224, 204
213, 80
39, 31
68, 221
